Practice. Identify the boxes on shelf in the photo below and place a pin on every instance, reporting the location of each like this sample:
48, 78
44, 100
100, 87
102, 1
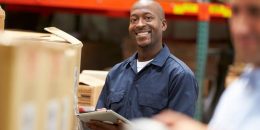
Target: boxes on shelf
39, 72
91, 84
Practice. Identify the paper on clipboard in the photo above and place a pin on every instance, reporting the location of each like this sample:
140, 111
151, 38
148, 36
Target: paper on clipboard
106, 116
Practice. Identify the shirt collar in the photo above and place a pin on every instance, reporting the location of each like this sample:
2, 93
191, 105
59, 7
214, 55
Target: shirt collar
159, 59
252, 74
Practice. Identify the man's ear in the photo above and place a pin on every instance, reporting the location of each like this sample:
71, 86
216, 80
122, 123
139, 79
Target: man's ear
164, 24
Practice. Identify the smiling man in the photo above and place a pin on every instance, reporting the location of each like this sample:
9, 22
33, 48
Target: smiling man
152, 79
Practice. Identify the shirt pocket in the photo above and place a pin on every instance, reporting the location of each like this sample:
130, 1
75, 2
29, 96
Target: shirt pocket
114, 100
151, 104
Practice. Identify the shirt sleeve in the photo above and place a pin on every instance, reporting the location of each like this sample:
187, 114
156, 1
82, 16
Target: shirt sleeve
183, 93
103, 96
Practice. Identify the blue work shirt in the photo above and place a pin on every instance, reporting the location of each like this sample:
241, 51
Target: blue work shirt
165, 83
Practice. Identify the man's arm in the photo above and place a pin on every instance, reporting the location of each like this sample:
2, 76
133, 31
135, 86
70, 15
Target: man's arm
103, 95
183, 93
102, 105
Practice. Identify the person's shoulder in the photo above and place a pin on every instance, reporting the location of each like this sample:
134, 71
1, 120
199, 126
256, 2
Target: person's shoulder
119, 67
178, 66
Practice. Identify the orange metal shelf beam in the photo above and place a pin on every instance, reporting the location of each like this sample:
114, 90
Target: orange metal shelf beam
123, 6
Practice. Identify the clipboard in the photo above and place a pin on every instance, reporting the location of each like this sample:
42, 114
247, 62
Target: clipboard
108, 116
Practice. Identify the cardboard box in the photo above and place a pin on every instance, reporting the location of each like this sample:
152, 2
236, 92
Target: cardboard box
89, 90
88, 95
2, 18
39, 72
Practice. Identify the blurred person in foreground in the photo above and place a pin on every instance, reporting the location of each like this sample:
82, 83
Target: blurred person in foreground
152, 79
238, 108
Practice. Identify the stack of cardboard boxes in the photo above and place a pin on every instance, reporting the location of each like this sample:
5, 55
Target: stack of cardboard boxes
91, 84
39, 72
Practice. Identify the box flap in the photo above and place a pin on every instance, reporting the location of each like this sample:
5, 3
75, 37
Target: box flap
63, 35
96, 73
93, 78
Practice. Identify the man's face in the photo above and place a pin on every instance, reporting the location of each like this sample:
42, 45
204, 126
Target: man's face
245, 30
146, 25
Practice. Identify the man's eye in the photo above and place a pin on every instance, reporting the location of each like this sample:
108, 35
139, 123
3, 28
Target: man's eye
148, 18
235, 10
133, 20
254, 11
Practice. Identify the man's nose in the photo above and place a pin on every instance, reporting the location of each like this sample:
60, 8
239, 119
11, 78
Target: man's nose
140, 23
241, 25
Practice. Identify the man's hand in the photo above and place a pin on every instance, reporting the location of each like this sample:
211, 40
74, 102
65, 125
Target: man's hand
177, 121
100, 125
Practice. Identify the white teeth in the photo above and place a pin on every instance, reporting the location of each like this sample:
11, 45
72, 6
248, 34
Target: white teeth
142, 33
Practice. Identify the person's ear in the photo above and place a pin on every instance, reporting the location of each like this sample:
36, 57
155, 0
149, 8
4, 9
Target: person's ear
164, 24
